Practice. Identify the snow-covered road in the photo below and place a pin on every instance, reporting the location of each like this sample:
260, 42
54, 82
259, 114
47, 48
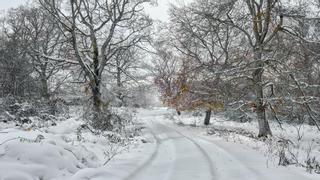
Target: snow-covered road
176, 157
182, 154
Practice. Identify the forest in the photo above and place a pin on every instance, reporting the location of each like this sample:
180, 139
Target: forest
102, 65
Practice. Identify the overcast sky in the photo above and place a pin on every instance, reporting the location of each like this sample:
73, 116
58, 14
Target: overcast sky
159, 12
6, 4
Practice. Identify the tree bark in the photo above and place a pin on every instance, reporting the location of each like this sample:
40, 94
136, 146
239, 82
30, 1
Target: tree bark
264, 128
44, 82
207, 117
119, 85
96, 96
44, 88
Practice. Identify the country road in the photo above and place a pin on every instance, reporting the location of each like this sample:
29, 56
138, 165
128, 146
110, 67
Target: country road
183, 155
176, 157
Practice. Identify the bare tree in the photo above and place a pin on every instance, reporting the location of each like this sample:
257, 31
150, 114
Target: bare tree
16, 68
43, 38
204, 45
124, 67
300, 71
259, 22
97, 30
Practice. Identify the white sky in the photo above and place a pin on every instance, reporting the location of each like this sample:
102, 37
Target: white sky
6, 4
159, 12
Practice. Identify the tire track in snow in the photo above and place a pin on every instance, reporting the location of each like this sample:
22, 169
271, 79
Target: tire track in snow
199, 147
209, 160
234, 159
229, 162
162, 131
253, 172
149, 160
246, 170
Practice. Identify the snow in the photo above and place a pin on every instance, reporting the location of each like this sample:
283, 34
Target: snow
185, 152
170, 147
57, 152
25, 156
225, 132
231, 156
309, 134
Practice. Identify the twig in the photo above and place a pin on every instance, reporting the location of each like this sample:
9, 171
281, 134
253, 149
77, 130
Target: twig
71, 152
275, 115
113, 155
309, 110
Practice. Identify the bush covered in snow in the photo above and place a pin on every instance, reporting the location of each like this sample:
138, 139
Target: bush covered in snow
37, 112
64, 151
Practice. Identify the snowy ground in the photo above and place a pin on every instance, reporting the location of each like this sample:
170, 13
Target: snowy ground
188, 152
60, 152
165, 151
299, 142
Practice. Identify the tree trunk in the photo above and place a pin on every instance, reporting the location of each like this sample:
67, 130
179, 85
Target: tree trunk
264, 128
95, 87
178, 112
119, 85
96, 96
101, 120
44, 87
207, 117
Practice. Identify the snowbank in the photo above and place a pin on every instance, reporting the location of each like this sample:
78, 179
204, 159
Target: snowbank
62, 152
